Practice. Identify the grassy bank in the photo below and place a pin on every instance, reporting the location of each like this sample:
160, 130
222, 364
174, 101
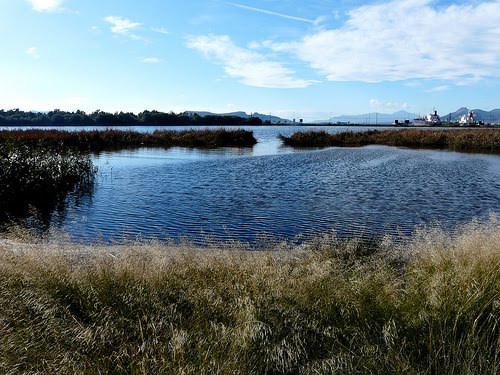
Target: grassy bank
486, 140
98, 140
428, 305
39, 176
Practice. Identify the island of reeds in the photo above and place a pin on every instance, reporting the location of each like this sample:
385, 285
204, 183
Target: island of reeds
428, 304
109, 139
473, 140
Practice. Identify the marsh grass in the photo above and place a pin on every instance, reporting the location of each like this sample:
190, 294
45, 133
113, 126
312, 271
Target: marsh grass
98, 140
39, 176
426, 305
487, 140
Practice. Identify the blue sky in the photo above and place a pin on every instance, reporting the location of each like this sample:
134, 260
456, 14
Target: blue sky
290, 58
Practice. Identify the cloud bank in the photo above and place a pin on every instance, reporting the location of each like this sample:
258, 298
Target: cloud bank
252, 68
391, 41
406, 39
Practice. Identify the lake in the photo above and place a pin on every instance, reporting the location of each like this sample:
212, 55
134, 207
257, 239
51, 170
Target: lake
273, 191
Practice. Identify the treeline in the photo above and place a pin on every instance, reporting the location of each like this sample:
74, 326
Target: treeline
16, 117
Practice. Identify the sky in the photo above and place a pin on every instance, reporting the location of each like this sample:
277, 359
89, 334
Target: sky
294, 59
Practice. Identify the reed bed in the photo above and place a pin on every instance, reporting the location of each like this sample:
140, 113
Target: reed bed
486, 140
427, 305
98, 140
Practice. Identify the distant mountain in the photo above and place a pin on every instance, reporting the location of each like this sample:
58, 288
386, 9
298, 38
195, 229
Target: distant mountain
480, 115
263, 117
373, 118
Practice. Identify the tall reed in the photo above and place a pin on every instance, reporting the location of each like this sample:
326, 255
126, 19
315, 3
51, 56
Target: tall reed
427, 305
32, 176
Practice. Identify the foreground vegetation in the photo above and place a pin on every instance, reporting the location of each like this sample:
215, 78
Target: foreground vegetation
427, 305
97, 140
34, 176
456, 139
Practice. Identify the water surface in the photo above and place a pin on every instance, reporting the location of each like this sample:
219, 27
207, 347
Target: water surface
270, 189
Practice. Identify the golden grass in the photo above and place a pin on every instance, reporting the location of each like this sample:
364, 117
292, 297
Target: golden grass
427, 305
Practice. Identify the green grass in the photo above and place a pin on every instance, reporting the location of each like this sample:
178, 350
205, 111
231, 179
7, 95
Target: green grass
98, 140
427, 305
487, 140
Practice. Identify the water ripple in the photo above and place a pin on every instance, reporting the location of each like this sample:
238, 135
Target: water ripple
356, 191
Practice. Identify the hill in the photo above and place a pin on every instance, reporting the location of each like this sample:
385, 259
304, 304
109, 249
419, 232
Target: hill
481, 115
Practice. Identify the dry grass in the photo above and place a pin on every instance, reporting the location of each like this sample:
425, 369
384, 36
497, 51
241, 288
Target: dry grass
457, 139
427, 305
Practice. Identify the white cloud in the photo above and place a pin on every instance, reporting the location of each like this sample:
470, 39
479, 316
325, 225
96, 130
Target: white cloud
120, 25
407, 39
160, 30
251, 67
46, 5
124, 27
151, 60
33, 53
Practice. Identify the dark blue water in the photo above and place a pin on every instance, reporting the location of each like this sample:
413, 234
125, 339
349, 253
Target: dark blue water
244, 194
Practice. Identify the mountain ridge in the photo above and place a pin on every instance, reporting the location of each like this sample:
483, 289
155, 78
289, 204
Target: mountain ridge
371, 118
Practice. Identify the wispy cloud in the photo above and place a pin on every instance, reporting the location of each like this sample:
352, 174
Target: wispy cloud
439, 88
252, 68
46, 5
407, 39
269, 12
151, 60
33, 53
160, 30
378, 105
